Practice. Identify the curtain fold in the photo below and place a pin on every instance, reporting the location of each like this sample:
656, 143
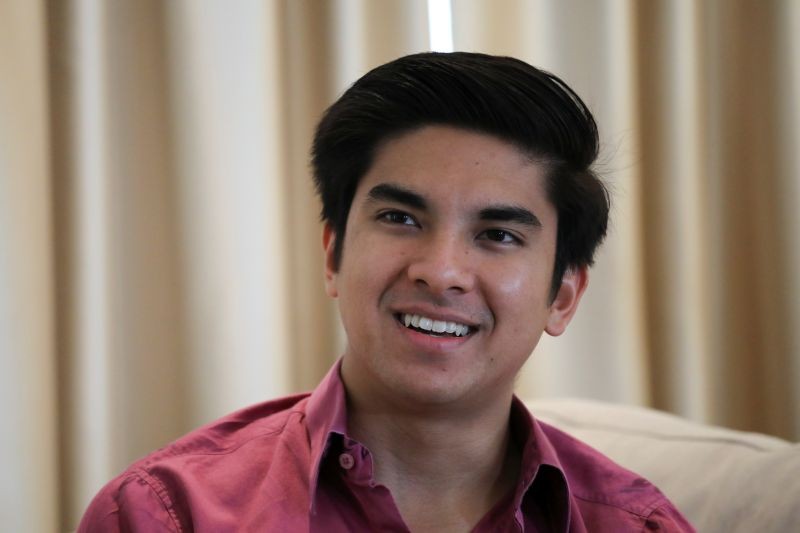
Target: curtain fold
29, 443
122, 371
672, 134
160, 250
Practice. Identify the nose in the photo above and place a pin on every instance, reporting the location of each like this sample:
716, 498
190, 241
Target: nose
443, 264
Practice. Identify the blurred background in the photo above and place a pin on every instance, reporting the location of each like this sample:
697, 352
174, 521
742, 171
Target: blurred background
160, 251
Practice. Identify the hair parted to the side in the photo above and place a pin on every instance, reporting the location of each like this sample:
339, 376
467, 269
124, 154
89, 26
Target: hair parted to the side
500, 96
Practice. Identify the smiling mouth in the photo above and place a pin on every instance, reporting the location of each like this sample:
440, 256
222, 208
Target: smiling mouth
432, 327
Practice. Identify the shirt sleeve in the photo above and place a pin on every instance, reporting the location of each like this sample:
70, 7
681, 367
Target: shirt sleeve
129, 503
667, 519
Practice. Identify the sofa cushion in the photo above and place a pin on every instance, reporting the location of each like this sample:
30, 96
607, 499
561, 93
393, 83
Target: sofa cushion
722, 480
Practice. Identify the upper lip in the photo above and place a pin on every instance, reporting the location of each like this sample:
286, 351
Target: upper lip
428, 312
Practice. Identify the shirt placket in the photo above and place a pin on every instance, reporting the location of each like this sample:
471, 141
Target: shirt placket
377, 503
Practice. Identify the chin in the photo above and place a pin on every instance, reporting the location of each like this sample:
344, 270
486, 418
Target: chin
416, 381
437, 387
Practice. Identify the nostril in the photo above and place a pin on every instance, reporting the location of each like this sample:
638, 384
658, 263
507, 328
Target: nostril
441, 280
442, 265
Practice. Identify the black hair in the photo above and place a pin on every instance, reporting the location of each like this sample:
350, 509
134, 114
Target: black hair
496, 95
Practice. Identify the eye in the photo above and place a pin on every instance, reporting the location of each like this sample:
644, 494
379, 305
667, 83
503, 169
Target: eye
500, 236
397, 217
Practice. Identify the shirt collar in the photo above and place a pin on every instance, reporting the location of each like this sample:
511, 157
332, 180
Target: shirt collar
326, 414
540, 463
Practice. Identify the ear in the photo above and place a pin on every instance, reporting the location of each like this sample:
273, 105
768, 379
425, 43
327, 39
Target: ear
328, 243
573, 284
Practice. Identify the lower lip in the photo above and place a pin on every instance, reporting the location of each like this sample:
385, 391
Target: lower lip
431, 343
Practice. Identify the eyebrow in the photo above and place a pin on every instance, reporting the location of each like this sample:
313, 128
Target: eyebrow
394, 193
509, 213
388, 192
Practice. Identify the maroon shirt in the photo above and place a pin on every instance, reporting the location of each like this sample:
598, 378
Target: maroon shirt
288, 465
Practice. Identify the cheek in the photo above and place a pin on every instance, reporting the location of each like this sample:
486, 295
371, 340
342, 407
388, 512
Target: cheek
511, 285
520, 282
368, 268
519, 298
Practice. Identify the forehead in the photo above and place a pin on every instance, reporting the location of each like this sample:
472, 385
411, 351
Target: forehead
455, 167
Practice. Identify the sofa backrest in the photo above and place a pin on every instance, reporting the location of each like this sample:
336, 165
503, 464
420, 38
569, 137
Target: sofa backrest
722, 480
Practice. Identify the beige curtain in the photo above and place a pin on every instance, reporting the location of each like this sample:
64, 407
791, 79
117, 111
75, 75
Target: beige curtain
160, 250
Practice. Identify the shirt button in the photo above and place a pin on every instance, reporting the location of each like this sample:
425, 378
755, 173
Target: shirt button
346, 461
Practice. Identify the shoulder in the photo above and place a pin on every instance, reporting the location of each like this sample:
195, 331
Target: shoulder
606, 492
256, 423
165, 490
131, 501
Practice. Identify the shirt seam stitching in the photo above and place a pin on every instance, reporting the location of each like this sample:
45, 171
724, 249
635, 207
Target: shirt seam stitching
646, 512
161, 492
652, 512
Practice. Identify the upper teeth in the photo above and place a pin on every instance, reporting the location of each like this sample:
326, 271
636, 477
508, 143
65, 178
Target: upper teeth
437, 326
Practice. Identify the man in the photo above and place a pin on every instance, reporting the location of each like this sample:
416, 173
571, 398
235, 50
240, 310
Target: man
461, 216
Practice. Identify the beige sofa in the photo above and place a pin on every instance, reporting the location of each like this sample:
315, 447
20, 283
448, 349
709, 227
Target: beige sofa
722, 480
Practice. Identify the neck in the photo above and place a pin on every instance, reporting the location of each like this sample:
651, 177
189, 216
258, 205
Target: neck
441, 464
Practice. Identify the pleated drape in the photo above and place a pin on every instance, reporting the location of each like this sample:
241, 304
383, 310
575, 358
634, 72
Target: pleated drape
160, 256
29, 483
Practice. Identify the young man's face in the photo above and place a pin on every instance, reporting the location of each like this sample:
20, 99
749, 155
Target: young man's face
453, 230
